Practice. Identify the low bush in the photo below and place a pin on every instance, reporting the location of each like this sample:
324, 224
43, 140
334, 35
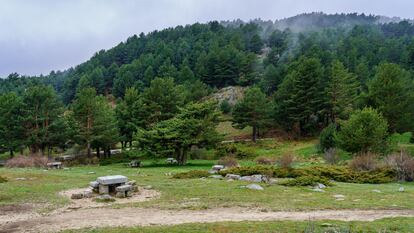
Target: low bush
345, 174
337, 173
364, 162
286, 161
27, 161
191, 174
248, 171
228, 161
403, 164
235, 150
327, 138
2, 179
331, 156
225, 107
263, 160
307, 181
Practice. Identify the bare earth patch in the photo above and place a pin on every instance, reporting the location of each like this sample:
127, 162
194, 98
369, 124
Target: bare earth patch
12, 216
128, 217
142, 195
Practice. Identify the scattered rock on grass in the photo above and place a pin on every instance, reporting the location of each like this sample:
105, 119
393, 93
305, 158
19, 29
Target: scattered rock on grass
376, 191
321, 186
216, 176
318, 190
254, 187
401, 189
232, 176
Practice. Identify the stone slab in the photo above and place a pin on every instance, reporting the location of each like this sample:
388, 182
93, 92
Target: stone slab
108, 180
94, 184
124, 188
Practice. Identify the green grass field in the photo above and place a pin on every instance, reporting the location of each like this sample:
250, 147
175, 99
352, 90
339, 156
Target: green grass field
383, 226
41, 187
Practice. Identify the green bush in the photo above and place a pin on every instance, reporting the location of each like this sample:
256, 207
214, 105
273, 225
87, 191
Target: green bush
307, 181
2, 179
235, 150
191, 174
366, 130
345, 174
225, 107
248, 171
327, 138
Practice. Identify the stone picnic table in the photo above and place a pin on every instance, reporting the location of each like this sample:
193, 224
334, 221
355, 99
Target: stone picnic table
112, 184
54, 165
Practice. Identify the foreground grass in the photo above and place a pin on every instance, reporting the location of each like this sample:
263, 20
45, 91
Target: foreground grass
383, 226
42, 187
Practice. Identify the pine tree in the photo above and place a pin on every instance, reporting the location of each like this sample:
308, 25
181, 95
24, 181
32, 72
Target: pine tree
41, 109
342, 92
391, 92
11, 122
252, 110
300, 98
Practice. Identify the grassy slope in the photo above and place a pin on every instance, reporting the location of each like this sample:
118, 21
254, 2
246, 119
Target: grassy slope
385, 225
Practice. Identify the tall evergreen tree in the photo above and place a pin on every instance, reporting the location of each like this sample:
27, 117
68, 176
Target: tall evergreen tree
11, 122
252, 110
392, 93
41, 109
342, 92
303, 103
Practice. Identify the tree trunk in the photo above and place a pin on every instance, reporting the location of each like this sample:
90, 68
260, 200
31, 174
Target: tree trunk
109, 152
130, 144
11, 153
98, 152
254, 133
88, 149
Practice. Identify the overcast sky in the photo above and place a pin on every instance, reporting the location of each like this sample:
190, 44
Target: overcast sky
37, 36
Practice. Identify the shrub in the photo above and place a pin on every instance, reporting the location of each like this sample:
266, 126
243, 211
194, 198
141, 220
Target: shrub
364, 162
286, 161
191, 174
307, 181
403, 165
263, 160
228, 161
232, 149
346, 174
200, 153
27, 161
327, 138
2, 179
331, 156
248, 171
366, 130
225, 107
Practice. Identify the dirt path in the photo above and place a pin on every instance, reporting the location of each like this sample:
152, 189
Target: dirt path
104, 217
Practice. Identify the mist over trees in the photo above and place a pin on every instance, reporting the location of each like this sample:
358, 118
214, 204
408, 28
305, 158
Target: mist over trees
303, 74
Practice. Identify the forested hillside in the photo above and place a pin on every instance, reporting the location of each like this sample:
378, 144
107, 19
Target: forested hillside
307, 71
